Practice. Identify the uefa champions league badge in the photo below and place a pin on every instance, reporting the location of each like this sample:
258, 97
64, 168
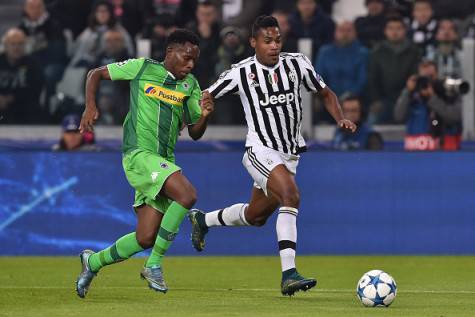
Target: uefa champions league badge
120, 64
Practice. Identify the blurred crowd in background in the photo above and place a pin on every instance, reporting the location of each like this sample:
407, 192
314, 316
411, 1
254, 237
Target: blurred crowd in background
400, 63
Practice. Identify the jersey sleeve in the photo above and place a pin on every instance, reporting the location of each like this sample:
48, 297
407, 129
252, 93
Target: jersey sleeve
192, 105
226, 84
311, 80
125, 70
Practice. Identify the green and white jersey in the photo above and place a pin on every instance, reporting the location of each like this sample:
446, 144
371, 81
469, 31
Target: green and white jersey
159, 105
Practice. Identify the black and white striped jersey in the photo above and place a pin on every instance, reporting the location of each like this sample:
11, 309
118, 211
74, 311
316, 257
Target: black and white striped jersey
271, 98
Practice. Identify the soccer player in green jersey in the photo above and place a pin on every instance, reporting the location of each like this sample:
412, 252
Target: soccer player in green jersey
163, 97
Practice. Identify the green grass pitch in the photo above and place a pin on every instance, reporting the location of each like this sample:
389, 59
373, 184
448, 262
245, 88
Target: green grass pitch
236, 286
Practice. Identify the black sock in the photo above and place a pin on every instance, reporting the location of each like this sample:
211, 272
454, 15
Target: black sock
200, 218
288, 273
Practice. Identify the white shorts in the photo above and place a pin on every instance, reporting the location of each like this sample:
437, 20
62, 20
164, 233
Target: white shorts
260, 161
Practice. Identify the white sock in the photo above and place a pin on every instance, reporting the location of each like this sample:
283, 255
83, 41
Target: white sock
286, 227
229, 216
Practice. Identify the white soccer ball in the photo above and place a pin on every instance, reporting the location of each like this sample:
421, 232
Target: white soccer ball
376, 288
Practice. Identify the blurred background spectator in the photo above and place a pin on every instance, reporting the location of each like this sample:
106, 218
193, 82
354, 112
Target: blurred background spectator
71, 14
446, 52
46, 42
309, 21
365, 138
370, 28
182, 11
233, 48
113, 96
391, 63
289, 43
157, 31
432, 113
344, 63
71, 139
207, 27
423, 25
242, 13
91, 42
130, 14
21, 82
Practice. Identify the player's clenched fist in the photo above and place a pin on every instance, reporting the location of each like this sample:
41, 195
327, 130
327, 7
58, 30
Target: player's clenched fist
207, 103
347, 125
89, 117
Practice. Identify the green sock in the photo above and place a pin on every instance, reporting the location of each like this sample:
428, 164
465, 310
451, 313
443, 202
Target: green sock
121, 250
166, 234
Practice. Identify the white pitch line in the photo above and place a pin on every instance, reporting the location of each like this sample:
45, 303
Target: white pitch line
318, 290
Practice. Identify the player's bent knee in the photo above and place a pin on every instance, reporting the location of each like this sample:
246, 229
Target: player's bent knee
291, 198
146, 240
257, 221
188, 199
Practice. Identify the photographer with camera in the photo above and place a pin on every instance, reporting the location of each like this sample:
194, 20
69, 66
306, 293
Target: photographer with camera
431, 108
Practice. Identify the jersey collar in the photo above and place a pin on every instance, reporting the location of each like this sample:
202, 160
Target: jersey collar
169, 72
268, 67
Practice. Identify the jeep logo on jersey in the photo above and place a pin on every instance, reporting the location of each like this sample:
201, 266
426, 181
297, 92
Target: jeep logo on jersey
171, 97
277, 99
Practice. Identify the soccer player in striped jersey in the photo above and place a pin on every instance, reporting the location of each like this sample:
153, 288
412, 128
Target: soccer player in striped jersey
269, 87
163, 97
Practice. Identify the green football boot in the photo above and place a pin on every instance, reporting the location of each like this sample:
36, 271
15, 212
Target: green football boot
296, 282
198, 229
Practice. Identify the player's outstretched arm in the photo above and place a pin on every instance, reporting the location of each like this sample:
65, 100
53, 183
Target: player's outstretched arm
333, 107
90, 115
197, 130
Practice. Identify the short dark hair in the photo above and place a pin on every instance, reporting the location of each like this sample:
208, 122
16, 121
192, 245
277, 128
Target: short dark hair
429, 2
351, 97
206, 3
394, 18
182, 36
92, 22
428, 62
262, 22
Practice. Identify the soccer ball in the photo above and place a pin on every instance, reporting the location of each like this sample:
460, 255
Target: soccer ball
376, 288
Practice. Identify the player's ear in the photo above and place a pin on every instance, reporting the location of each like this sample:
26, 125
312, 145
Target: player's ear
170, 49
252, 41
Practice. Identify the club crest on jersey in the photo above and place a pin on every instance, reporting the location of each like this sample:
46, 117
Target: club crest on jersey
292, 77
273, 79
168, 96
